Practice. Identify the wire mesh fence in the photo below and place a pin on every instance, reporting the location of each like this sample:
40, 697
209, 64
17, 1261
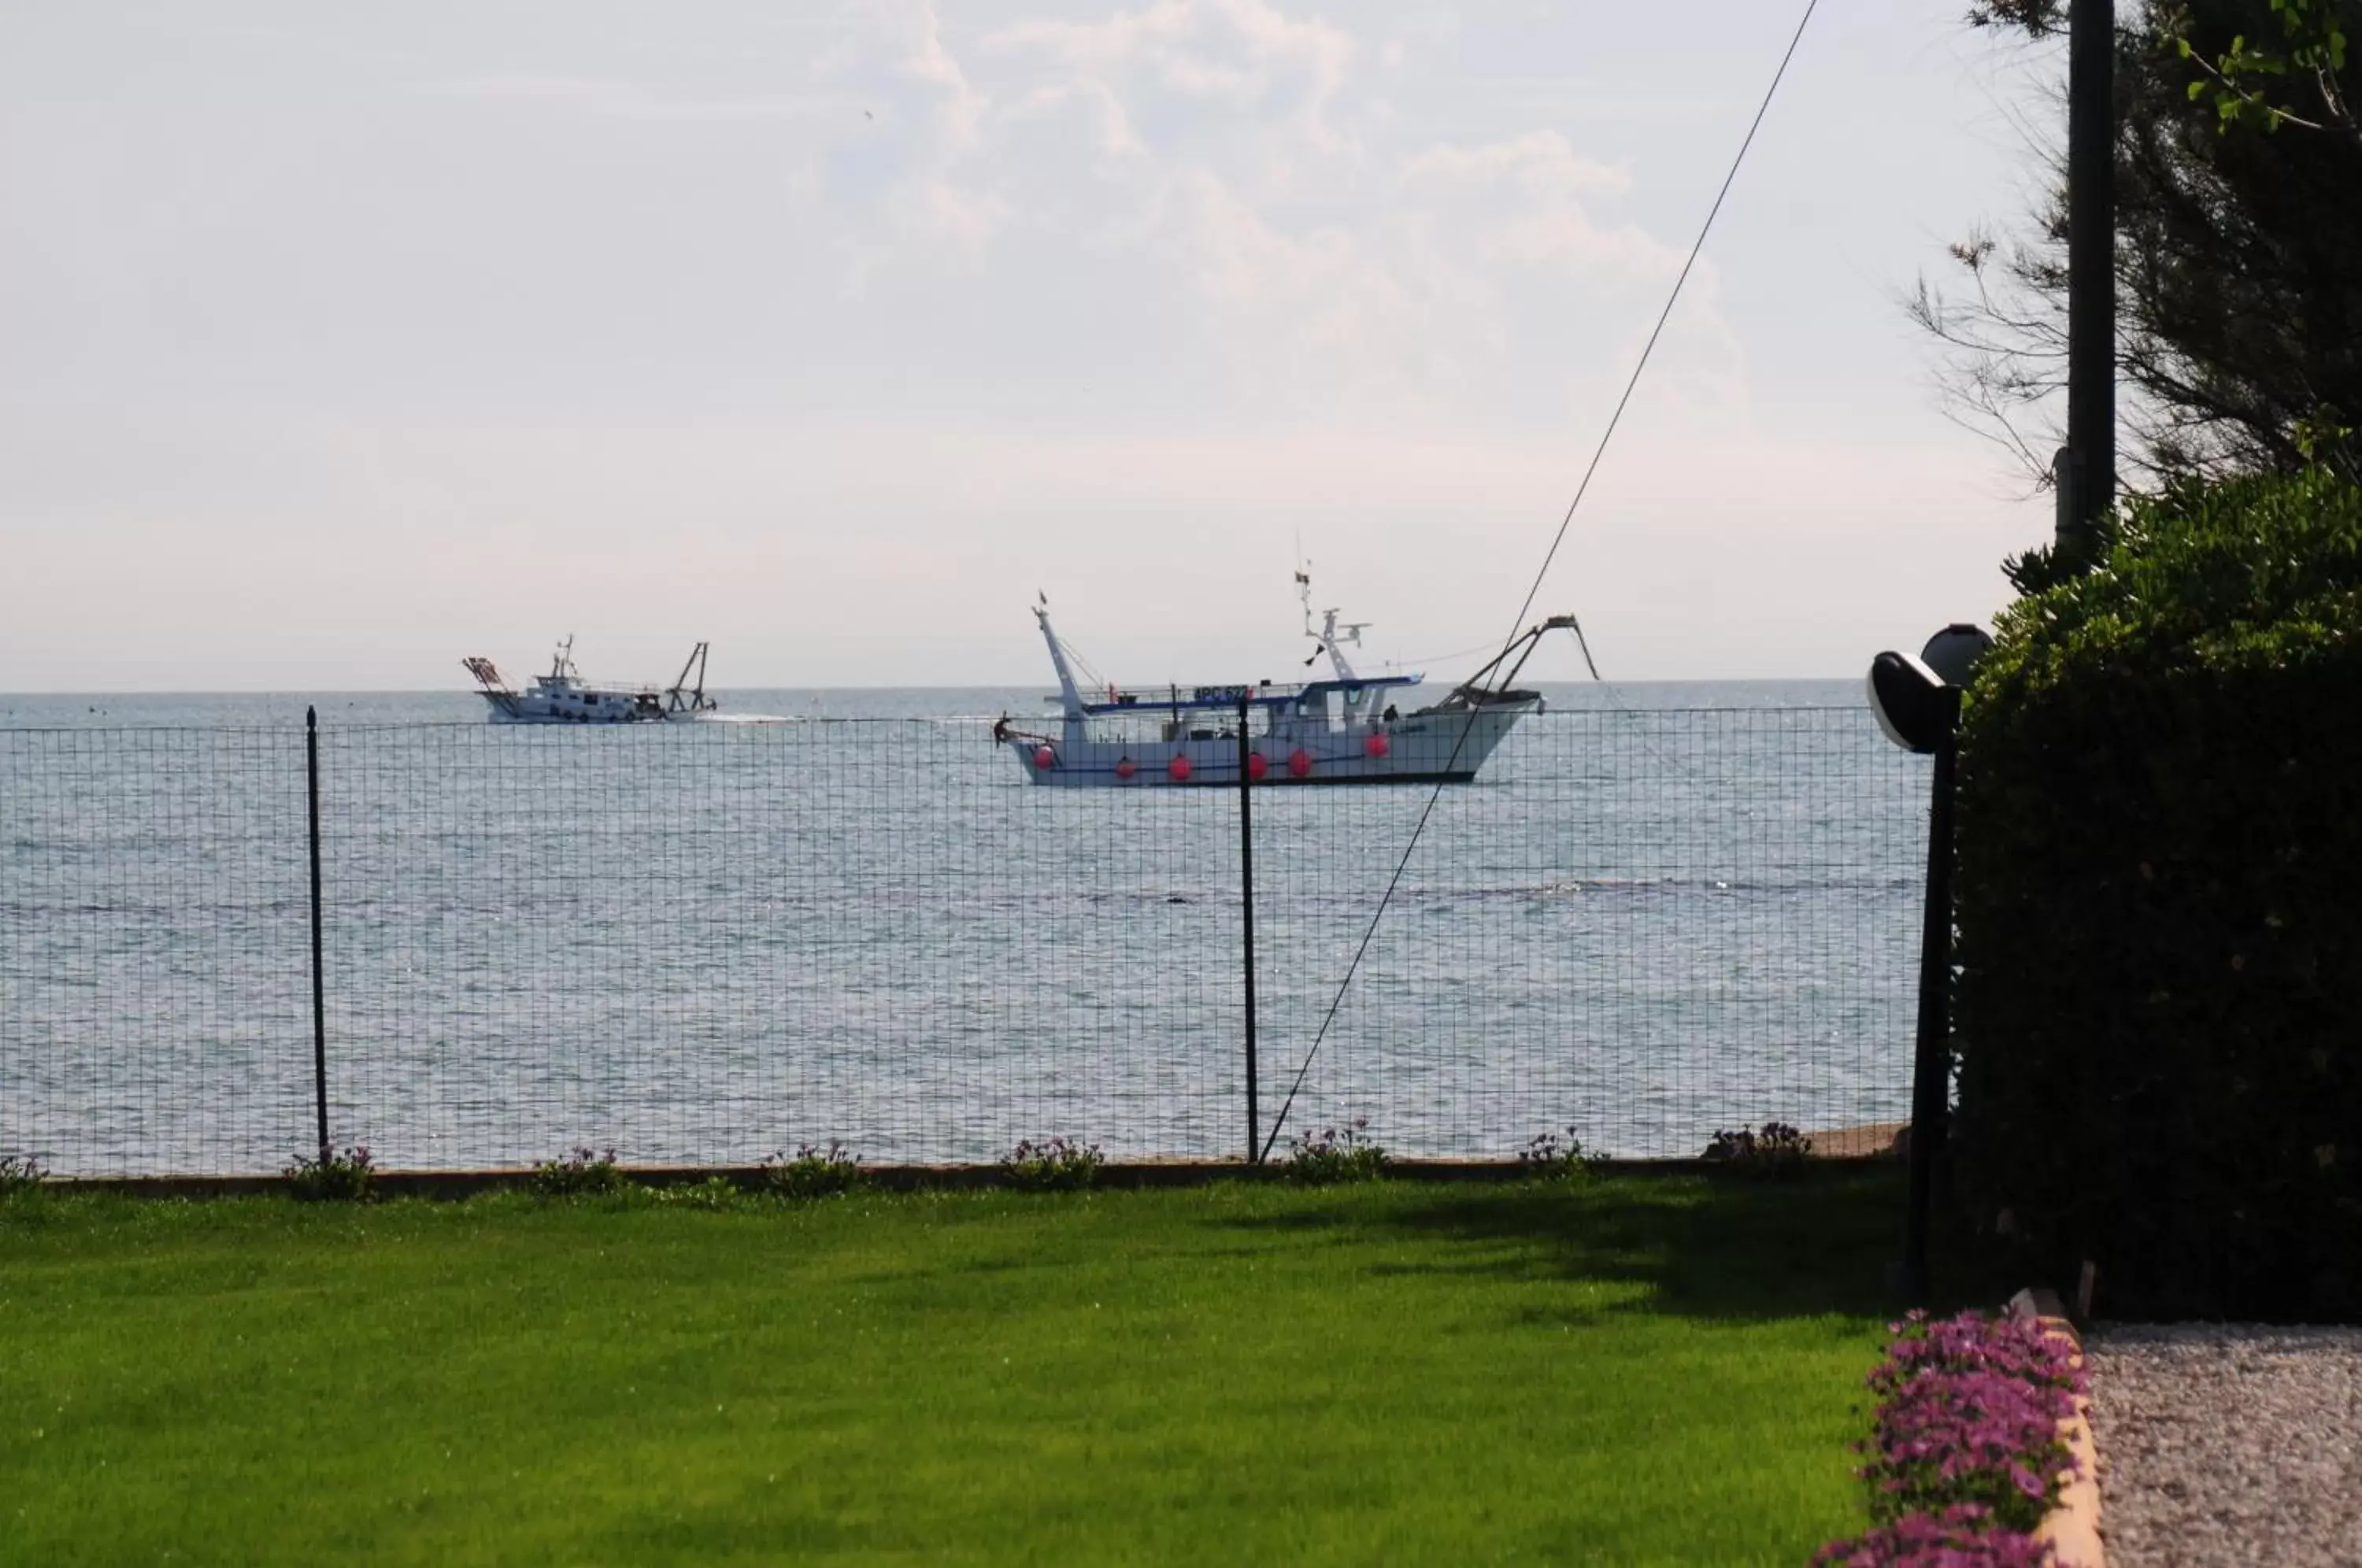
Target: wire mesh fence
705, 943
155, 1010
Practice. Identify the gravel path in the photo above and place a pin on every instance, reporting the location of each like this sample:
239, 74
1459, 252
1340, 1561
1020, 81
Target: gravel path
2228, 1443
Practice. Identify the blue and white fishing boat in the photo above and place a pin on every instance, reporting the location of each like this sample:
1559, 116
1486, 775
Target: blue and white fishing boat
1348, 728
563, 697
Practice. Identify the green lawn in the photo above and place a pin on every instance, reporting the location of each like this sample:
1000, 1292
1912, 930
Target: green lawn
1638, 1370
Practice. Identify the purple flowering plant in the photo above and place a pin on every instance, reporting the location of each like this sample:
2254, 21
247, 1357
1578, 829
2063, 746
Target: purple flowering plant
1966, 1441
1547, 1155
1962, 1535
1053, 1164
1774, 1150
579, 1173
1335, 1154
332, 1177
816, 1171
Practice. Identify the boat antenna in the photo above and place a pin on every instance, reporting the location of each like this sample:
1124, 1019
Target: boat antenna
1640, 367
1332, 635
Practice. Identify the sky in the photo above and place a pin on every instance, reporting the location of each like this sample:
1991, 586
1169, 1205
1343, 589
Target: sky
339, 340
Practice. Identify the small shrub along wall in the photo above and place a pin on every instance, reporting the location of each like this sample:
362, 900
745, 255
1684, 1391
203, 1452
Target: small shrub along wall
2160, 1004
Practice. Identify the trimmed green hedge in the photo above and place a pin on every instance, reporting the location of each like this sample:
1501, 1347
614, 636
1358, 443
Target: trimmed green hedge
2160, 1004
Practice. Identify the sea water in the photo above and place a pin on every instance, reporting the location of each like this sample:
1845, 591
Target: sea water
1661, 911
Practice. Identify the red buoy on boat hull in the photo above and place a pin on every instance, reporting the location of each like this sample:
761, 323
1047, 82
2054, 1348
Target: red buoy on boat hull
1179, 770
1125, 767
1044, 759
1299, 763
1375, 745
1257, 765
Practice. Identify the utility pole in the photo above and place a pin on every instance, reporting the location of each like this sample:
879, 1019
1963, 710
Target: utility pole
2085, 468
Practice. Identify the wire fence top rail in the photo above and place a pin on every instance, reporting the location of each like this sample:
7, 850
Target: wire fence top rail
727, 722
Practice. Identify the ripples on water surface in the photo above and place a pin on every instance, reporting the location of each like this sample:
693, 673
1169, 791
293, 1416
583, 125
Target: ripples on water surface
706, 942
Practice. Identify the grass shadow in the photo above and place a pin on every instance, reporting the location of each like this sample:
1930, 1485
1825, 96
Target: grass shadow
1708, 1247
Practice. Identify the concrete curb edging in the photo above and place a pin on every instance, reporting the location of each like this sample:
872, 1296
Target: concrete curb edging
2072, 1528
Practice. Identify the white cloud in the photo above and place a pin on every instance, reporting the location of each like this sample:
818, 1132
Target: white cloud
1333, 268
926, 60
1113, 134
1229, 57
1318, 320
902, 304
966, 216
1419, 35
1527, 200
1238, 50
1338, 274
1542, 163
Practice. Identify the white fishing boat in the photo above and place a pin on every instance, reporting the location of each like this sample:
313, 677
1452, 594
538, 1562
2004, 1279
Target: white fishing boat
1348, 728
563, 697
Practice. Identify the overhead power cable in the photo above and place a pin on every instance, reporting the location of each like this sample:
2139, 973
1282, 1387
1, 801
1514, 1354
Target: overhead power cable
1640, 367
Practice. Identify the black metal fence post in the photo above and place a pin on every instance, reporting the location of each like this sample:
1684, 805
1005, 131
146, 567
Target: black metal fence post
319, 1002
1246, 884
1932, 1061
2089, 461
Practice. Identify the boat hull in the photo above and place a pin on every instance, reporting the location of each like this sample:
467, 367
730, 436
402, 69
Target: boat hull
528, 709
1421, 748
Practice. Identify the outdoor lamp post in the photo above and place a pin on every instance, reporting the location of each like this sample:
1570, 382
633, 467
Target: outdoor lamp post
1918, 701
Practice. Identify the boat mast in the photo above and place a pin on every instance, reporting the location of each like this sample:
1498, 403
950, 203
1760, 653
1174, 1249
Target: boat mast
1332, 639
1068, 693
683, 698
